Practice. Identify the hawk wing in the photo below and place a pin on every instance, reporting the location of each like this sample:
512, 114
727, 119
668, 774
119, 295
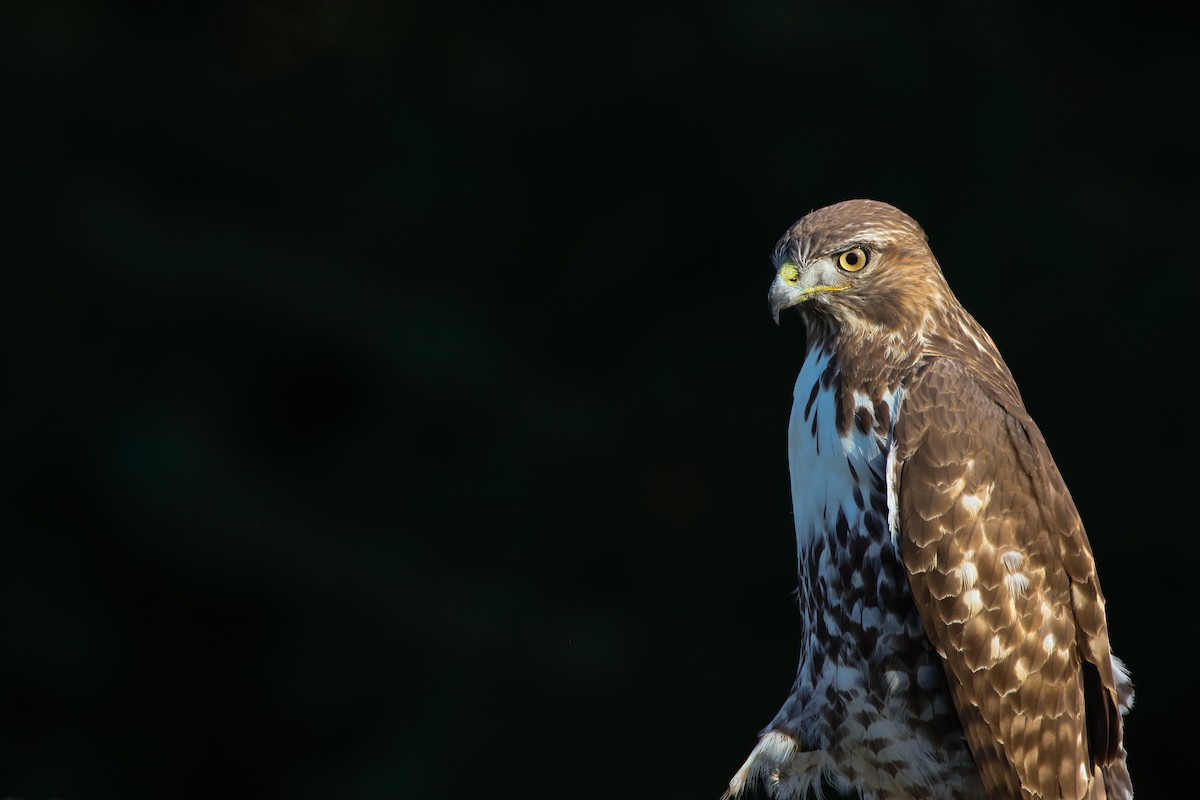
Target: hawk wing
1003, 575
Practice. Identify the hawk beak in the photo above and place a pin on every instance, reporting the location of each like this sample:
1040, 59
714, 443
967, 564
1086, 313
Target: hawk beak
785, 290
791, 288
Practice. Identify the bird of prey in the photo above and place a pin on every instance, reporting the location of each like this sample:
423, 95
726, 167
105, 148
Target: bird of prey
955, 643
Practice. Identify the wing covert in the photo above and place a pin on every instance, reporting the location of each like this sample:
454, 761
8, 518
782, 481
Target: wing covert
1002, 573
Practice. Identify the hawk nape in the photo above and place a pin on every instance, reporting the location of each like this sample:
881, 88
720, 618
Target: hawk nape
954, 638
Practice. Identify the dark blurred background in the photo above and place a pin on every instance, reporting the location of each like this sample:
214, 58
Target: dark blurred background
393, 407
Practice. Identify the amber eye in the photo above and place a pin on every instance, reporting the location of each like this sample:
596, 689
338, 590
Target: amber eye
853, 260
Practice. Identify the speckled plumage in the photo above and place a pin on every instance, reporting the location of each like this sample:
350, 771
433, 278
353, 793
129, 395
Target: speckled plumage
954, 640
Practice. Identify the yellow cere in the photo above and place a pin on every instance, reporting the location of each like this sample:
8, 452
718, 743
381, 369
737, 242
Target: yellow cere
789, 272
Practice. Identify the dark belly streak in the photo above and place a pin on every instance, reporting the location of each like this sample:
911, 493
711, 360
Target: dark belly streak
857, 611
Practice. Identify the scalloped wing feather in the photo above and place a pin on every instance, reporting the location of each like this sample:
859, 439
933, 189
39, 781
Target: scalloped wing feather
1003, 575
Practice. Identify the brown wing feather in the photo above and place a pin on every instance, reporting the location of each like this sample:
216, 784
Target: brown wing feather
1003, 575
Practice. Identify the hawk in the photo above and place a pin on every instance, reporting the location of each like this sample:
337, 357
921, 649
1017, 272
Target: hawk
955, 643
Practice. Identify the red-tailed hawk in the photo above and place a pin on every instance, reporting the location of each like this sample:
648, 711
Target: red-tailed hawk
954, 639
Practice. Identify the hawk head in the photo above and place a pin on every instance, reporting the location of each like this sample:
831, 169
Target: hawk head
860, 267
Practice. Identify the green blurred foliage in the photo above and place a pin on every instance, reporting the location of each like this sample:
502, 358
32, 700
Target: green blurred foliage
394, 407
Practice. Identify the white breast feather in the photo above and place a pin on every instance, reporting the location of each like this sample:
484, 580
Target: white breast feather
820, 465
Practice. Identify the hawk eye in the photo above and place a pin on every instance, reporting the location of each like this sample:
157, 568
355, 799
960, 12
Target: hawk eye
853, 260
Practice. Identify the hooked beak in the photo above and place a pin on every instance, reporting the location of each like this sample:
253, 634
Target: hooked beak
791, 288
783, 293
